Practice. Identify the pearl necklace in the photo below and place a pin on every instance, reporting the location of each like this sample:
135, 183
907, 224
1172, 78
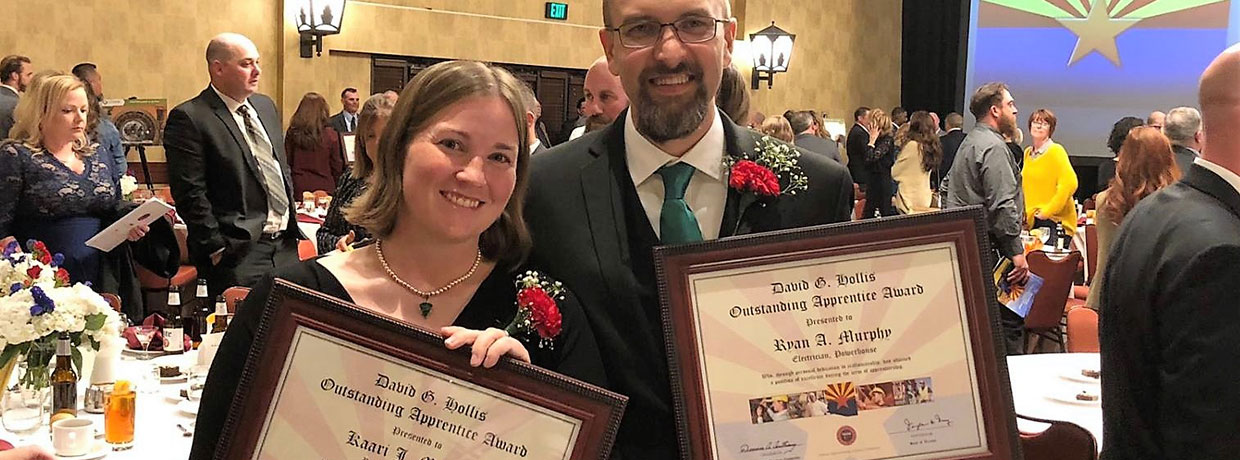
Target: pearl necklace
426, 305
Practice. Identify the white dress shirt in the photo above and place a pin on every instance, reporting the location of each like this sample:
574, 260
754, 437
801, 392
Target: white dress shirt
275, 222
1227, 175
577, 132
708, 189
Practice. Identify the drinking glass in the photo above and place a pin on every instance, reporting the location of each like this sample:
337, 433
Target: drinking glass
21, 410
144, 335
118, 419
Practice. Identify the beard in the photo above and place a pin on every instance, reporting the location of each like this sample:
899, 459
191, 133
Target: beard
1007, 126
662, 120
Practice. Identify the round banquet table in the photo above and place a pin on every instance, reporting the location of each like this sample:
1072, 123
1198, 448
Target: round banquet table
1044, 383
156, 434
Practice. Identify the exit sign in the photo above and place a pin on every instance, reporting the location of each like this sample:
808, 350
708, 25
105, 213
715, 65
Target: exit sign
556, 10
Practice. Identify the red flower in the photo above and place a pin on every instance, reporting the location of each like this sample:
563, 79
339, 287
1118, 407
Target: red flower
34, 271
749, 176
544, 314
62, 277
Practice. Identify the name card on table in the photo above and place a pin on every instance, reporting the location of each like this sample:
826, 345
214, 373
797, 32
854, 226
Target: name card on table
871, 340
330, 380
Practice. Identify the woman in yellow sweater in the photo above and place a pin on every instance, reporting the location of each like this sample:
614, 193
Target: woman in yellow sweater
1049, 180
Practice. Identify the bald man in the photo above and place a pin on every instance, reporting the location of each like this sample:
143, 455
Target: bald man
1170, 329
228, 172
605, 98
1156, 119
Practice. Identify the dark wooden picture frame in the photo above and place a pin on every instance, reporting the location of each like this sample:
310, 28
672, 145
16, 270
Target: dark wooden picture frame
965, 227
291, 306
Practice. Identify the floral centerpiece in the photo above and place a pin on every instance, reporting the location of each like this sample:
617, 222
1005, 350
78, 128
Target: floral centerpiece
128, 184
37, 304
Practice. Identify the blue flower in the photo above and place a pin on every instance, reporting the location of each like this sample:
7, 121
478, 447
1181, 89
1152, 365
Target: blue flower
42, 303
30, 244
10, 248
58, 259
14, 288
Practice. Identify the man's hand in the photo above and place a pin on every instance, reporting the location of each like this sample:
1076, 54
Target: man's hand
1020, 271
343, 244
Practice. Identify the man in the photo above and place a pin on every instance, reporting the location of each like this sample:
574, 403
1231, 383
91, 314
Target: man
899, 116
855, 144
595, 205
605, 98
1183, 127
951, 143
228, 172
804, 125
1170, 334
532, 112
106, 133
1156, 119
15, 73
984, 173
572, 123
346, 121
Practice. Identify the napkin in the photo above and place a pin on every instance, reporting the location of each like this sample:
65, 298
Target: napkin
157, 342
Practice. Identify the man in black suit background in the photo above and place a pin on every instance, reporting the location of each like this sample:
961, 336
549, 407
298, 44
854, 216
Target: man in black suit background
15, 73
228, 172
1170, 322
854, 146
596, 204
804, 125
345, 122
1182, 125
951, 143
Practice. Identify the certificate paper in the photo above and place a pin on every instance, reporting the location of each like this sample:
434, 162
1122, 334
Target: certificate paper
858, 342
337, 400
144, 214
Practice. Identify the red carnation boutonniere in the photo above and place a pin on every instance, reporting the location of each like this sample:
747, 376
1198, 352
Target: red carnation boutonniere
34, 272
767, 172
62, 277
538, 313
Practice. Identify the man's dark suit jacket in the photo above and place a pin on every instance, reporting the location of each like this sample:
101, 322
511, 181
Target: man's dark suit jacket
1170, 326
951, 143
591, 232
337, 123
1184, 157
8, 103
820, 146
858, 138
215, 179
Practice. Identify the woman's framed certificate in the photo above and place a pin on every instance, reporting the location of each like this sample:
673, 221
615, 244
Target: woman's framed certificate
870, 340
327, 379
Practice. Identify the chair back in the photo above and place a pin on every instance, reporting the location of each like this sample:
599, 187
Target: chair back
1090, 204
1091, 249
233, 296
1057, 276
1082, 330
1062, 441
112, 300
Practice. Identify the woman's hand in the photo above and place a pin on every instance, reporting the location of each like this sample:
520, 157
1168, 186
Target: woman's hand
138, 232
343, 244
488, 345
26, 453
874, 133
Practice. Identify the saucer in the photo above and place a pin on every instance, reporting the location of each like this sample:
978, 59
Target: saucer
1070, 398
1076, 376
188, 408
142, 353
100, 450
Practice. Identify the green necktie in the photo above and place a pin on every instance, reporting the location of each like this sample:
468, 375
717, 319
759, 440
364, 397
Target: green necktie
676, 221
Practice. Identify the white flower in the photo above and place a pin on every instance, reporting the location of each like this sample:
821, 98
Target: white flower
129, 184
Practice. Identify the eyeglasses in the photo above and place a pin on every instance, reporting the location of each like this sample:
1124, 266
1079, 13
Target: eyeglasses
690, 29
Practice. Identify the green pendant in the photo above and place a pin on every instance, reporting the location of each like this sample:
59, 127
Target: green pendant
426, 308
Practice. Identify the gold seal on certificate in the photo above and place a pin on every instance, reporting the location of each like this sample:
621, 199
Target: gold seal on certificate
331, 380
871, 340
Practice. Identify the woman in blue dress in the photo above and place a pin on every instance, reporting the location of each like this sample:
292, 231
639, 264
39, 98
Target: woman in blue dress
52, 186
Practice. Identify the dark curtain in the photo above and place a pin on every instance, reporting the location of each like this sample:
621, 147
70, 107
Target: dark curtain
933, 54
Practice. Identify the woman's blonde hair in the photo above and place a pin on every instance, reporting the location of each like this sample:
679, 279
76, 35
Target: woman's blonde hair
777, 127
433, 90
41, 101
883, 120
376, 107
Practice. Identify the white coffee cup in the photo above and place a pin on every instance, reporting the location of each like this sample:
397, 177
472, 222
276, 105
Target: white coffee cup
73, 436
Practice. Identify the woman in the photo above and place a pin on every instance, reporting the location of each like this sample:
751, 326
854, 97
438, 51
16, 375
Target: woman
336, 232
1115, 141
54, 188
1048, 179
733, 97
920, 155
313, 147
1146, 164
445, 208
880, 154
104, 135
777, 127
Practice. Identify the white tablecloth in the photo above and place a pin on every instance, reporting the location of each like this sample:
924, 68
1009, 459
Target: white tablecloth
155, 427
1039, 381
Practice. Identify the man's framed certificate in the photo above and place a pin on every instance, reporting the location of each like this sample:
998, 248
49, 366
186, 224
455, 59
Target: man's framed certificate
326, 379
870, 340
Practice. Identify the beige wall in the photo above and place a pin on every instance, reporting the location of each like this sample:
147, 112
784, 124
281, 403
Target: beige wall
847, 52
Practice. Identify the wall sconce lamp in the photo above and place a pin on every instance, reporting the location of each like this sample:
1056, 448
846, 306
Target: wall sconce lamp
316, 19
771, 49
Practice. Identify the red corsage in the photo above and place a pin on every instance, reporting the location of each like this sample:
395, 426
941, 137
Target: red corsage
749, 176
538, 314
62, 277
